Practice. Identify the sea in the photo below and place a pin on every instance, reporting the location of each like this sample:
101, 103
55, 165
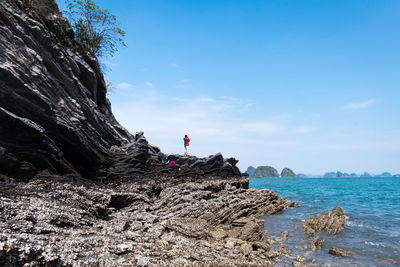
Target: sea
372, 208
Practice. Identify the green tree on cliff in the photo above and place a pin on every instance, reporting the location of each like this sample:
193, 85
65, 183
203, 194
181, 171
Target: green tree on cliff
96, 28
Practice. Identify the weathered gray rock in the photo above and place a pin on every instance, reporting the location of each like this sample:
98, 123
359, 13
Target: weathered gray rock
340, 252
66, 220
316, 243
54, 113
331, 222
76, 189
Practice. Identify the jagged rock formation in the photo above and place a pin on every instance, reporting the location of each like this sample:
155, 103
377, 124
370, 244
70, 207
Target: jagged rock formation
53, 107
57, 129
64, 221
339, 252
250, 171
288, 173
54, 112
331, 222
265, 172
141, 159
76, 189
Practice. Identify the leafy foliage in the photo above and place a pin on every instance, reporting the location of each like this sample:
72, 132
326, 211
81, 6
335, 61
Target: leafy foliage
96, 28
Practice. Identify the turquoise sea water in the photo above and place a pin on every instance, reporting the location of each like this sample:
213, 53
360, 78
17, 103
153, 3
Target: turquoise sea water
372, 207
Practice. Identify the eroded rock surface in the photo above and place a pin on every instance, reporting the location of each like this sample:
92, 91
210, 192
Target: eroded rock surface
331, 222
54, 112
76, 189
339, 252
65, 220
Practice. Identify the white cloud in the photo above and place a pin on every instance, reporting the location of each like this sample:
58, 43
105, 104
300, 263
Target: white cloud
165, 120
360, 105
233, 99
148, 84
186, 81
124, 85
261, 127
205, 99
303, 129
174, 65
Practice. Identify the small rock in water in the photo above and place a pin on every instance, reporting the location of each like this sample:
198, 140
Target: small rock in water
339, 252
316, 243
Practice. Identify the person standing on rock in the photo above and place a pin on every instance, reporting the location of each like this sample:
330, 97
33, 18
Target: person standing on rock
186, 141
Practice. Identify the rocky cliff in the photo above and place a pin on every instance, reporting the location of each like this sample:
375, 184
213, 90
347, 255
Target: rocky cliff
54, 112
76, 189
53, 108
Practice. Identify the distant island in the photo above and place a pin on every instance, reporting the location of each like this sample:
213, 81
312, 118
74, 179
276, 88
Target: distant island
339, 174
271, 172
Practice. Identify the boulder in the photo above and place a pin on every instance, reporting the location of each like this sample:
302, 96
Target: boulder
339, 252
331, 222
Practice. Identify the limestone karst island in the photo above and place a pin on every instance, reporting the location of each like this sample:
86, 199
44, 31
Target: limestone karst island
199, 92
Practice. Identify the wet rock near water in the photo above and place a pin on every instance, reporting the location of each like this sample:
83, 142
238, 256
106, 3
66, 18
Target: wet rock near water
340, 252
67, 220
331, 222
77, 189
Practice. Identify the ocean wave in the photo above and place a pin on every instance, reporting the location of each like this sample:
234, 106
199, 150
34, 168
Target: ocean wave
354, 224
375, 244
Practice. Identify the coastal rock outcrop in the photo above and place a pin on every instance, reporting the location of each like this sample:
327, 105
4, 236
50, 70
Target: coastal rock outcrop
76, 189
54, 112
53, 108
66, 220
288, 173
339, 252
265, 172
331, 222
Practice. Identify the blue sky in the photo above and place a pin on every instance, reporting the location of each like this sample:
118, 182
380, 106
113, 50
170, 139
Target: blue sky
310, 85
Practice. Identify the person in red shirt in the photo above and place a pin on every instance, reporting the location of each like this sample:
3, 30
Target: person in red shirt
186, 141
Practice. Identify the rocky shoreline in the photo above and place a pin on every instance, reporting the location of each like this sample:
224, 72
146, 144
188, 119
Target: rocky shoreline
163, 221
77, 189
69, 221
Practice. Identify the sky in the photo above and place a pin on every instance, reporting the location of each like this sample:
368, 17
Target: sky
310, 85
